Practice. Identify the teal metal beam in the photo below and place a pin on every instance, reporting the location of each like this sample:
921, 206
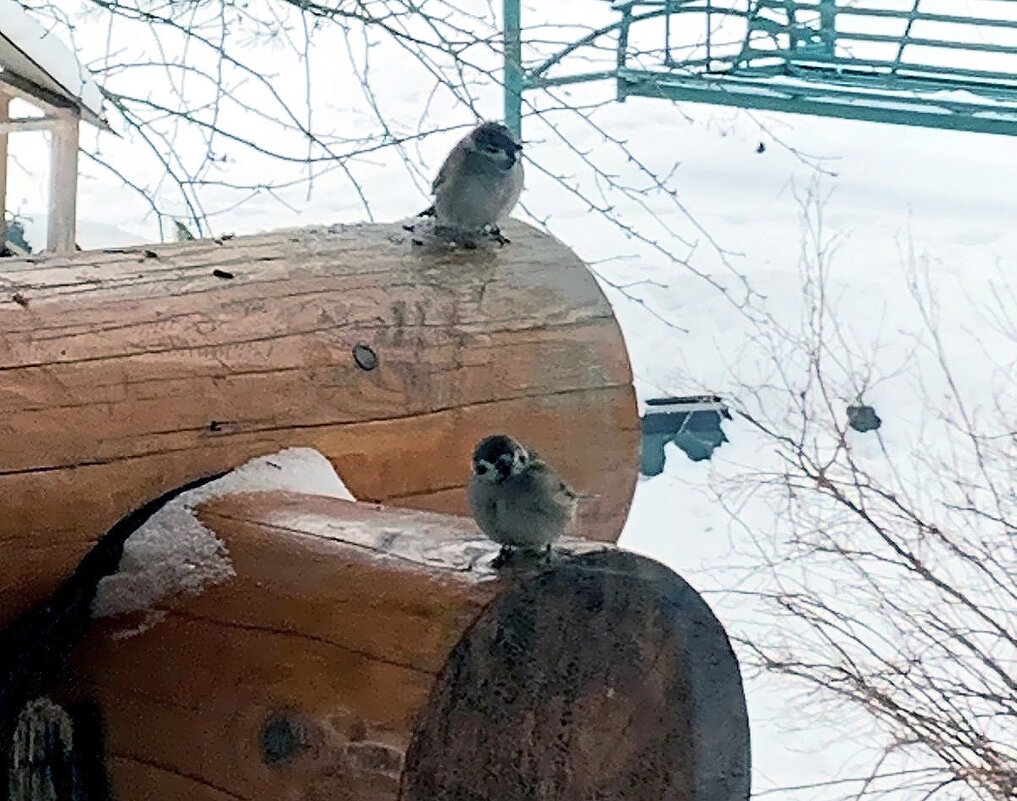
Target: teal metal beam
890, 13
796, 99
513, 75
799, 63
880, 76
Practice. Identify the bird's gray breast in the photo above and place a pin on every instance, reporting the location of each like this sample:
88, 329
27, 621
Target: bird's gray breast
479, 193
524, 510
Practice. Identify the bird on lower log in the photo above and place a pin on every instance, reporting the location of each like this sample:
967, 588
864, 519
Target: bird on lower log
479, 183
518, 500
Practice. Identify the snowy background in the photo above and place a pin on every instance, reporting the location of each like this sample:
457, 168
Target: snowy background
900, 207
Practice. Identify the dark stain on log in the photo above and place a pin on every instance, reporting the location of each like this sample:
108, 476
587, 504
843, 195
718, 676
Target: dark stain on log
283, 738
605, 677
358, 731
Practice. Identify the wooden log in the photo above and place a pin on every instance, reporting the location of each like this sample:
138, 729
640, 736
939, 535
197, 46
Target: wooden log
125, 373
372, 655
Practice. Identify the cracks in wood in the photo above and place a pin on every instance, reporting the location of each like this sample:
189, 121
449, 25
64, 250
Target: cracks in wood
303, 635
149, 763
273, 429
521, 326
422, 493
479, 327
132, 693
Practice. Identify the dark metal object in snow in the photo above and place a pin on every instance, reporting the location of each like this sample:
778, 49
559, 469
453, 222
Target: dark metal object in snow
14, 239
692, 423
863, 418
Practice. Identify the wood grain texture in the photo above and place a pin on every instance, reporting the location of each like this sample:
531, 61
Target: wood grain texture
371, 653
135, 370
338, 621
606, 677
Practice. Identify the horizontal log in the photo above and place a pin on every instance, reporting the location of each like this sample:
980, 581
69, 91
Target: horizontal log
125, 373
372, 653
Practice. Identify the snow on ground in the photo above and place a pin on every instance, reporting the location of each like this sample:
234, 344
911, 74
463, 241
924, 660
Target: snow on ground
948, 196
174, 554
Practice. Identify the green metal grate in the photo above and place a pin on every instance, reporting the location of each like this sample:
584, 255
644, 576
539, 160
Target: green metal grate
906, 62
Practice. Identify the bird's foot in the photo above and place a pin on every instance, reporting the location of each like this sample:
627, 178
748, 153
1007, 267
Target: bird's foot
498, 237
530, 556
428, 212
410, 228
503, 558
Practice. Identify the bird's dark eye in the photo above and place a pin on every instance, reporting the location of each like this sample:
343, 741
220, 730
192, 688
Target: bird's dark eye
481, 469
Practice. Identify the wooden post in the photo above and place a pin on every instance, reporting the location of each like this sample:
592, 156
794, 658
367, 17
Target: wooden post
132, 371
63, 185
5, 115
364, 653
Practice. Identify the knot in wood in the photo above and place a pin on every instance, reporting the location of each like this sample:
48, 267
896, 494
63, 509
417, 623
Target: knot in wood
364, 356
283, 738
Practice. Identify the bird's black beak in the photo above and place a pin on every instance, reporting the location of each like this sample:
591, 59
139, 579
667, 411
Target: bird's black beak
504, 466
511, 151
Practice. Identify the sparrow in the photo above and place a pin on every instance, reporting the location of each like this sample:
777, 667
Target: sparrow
518, 500
480, 181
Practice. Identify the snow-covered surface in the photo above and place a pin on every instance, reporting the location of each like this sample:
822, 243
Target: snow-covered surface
173, 554
421, 537
30, 51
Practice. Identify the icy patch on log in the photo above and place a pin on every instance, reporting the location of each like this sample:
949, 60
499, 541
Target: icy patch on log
174, 555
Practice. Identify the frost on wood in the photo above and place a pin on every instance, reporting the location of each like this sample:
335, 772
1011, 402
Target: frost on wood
30, 51
173, 554
41, 764
422, 537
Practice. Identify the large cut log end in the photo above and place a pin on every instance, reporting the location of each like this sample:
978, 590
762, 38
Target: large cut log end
603, 677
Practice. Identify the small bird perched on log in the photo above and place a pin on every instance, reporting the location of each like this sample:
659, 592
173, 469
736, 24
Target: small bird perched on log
479, 183
518, 500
